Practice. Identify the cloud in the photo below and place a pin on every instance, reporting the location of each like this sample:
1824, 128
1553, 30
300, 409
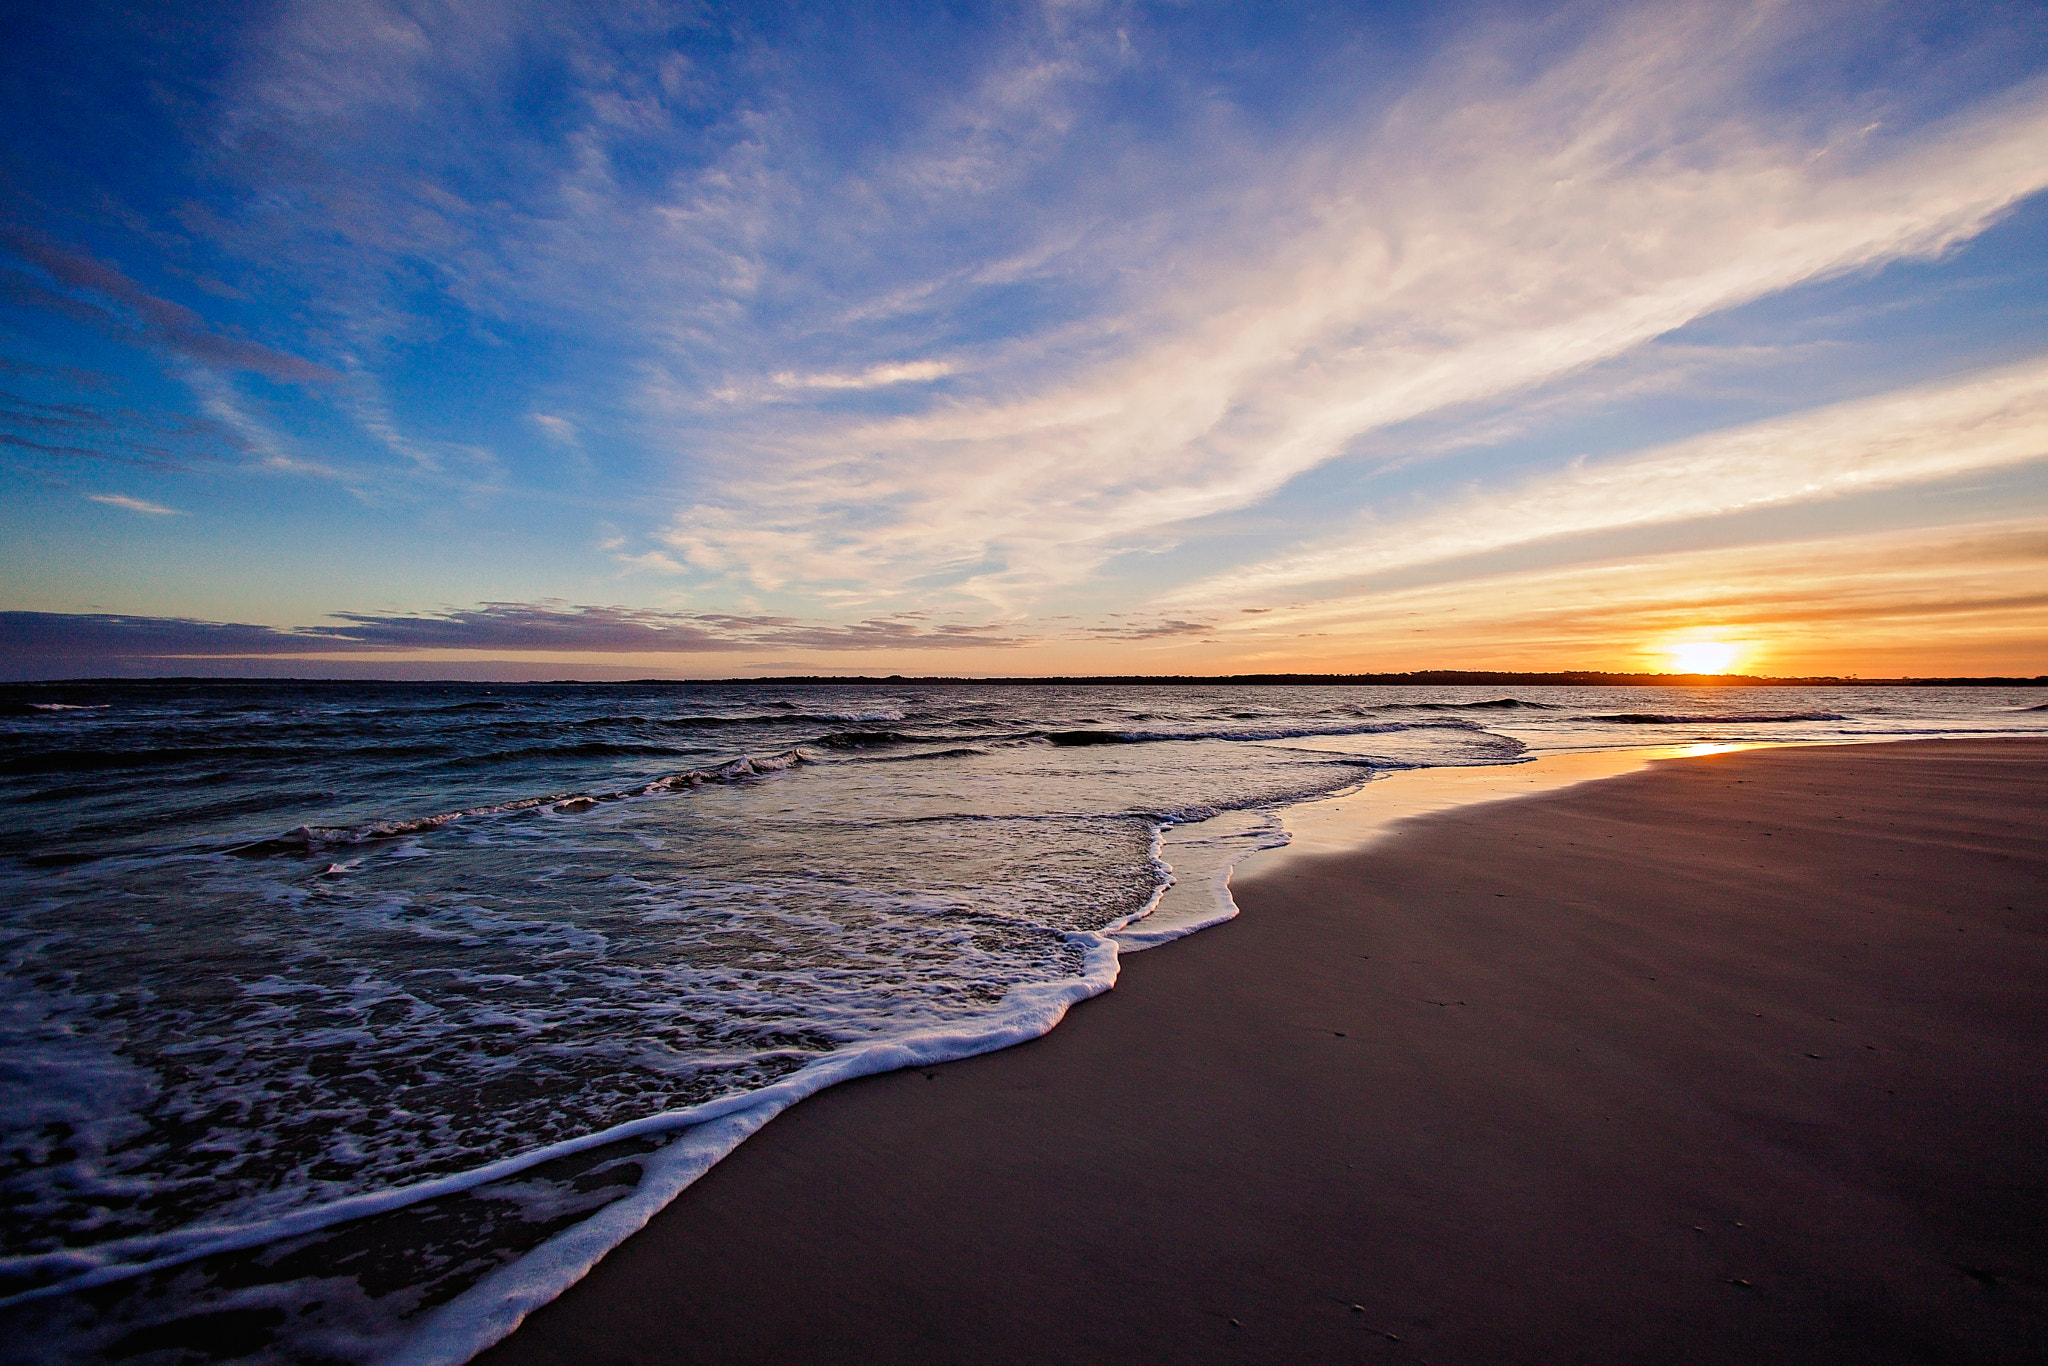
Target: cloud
529, 627
122, 500
343, 62
30, 444
748, 213
560, 429
1156, 631
1143, 323
225, 405
1876, 601
887, 634
366, 403
26, 637
23, 412
54, 432
874, 377
506, 626
498, 627
965, 313
140, 317
654, 561
1499, 228
1914, 436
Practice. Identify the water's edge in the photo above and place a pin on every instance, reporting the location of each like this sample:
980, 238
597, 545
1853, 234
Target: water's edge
1345, 822
494, 1307
1195, 856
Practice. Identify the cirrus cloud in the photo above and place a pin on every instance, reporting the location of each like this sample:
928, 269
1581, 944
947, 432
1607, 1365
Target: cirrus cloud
1496, 230
122, 500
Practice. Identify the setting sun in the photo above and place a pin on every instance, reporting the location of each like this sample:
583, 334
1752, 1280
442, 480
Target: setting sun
1702, 656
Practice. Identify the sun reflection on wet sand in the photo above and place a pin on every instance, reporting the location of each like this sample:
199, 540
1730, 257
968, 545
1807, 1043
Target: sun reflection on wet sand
1341, 824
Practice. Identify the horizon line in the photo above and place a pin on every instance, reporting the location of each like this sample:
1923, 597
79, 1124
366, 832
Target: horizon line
1415, 677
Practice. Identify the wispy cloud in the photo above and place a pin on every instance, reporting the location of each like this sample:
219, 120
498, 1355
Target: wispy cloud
1496, 230
1510, 221
503, 627
99, 433
1157, 630
1148, 317
558, 428
122, 500
653, 561
223, 402
123, 309
1916, 436
1868, 601
874, 377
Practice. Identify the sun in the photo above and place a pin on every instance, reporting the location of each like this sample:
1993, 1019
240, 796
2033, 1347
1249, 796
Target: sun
1702, 656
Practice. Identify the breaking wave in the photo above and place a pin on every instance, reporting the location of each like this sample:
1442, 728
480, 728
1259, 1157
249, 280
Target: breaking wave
309, 836
1246, 733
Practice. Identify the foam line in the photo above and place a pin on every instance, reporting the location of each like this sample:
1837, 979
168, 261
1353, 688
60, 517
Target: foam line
489, 1310
1136, 933
494, 1306
314, 836
1033, 1010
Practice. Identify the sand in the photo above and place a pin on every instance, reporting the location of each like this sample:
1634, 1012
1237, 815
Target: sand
1742, 1058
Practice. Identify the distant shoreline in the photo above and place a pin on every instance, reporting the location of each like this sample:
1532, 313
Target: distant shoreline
1428, 678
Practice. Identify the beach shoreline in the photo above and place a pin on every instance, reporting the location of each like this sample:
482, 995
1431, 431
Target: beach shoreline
1682, 1089
1352, 821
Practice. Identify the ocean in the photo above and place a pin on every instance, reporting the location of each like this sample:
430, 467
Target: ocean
347, 1022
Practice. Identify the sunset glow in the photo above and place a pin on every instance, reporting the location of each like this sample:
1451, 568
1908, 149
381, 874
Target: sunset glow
1703, 657
1093, 339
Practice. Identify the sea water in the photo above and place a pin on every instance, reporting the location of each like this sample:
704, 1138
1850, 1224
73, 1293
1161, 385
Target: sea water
349, 1022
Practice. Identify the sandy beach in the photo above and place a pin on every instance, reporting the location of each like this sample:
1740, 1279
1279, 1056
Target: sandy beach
1741, 1058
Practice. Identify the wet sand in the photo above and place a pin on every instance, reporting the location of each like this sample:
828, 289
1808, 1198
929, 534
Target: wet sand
1741, 1058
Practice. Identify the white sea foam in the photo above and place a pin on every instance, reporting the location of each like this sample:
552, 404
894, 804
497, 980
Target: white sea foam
1028, 1012
1201, 856
493, 1307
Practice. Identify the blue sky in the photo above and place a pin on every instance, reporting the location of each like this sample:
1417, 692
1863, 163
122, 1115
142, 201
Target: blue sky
504, 338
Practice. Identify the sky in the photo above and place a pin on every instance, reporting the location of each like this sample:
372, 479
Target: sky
499, 340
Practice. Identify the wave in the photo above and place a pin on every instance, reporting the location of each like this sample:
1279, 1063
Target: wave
2042, 707
1142, 737
589, 749
958, 752
704, 1133
826, 718
1497, 704
318, 836
1644, 718
868, 739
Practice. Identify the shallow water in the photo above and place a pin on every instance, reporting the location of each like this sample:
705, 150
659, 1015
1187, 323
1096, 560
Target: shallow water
269, 948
